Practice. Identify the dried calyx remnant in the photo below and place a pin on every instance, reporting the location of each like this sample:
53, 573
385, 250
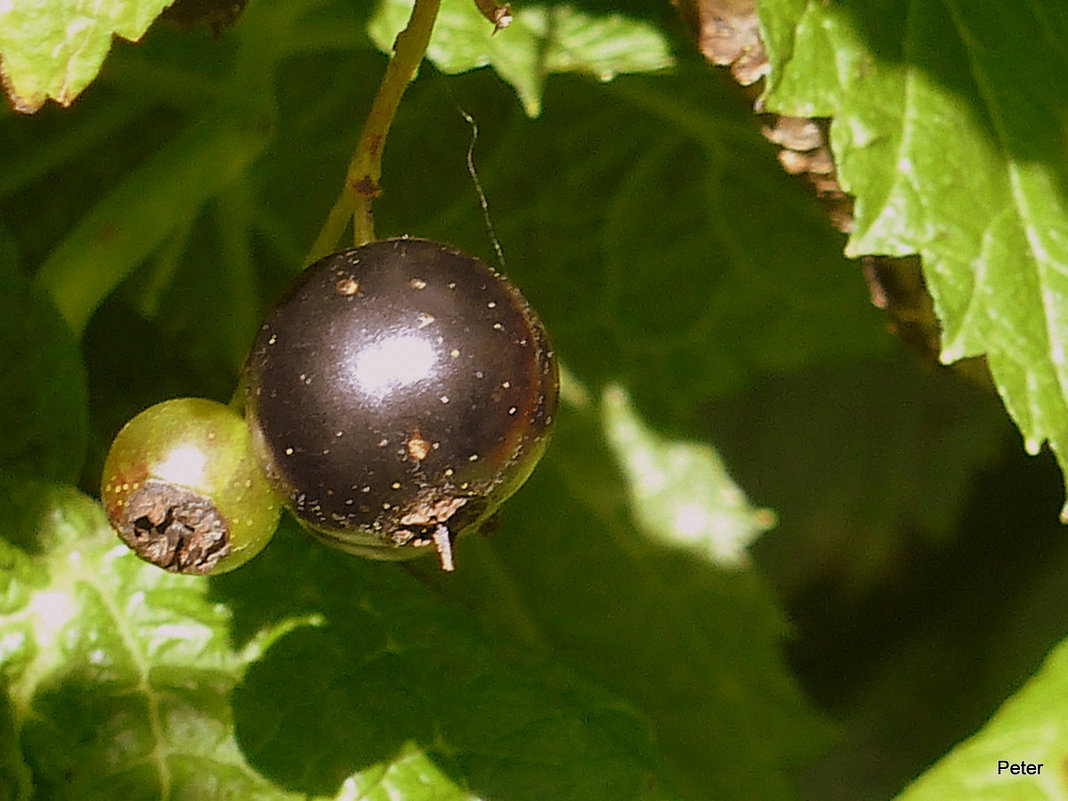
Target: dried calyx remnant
174, 528
727, 33
499, 14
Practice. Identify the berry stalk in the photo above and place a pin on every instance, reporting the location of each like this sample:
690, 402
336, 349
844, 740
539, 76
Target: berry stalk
361, 182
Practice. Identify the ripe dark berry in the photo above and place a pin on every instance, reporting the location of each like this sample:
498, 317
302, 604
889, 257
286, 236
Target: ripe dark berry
184, 490
398, 394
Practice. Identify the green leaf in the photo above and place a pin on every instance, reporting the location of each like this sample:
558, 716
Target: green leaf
411, 775
122, 677
953, 144
117, 673
43, 396
55, 49
575, 572
541, 40
1031, 726
403, 682
713, 516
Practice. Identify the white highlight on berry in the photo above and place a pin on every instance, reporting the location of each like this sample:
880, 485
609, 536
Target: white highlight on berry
393, 363
184, 465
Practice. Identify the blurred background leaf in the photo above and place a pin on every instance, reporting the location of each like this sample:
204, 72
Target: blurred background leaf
43, 410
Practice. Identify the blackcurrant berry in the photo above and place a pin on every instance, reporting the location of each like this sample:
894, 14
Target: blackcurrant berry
183, 488
398, 394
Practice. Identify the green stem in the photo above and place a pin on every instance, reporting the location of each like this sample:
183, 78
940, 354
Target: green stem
361, 182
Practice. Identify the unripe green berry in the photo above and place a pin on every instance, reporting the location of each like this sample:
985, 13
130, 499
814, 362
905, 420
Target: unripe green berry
183, 489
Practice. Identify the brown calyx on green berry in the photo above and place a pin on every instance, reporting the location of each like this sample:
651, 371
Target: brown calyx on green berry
183, 489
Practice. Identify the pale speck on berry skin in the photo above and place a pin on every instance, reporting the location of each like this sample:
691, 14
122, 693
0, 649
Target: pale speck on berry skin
418, 447
348, 286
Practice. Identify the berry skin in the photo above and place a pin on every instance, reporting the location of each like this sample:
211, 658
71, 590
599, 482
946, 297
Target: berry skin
184, 490
398, 394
